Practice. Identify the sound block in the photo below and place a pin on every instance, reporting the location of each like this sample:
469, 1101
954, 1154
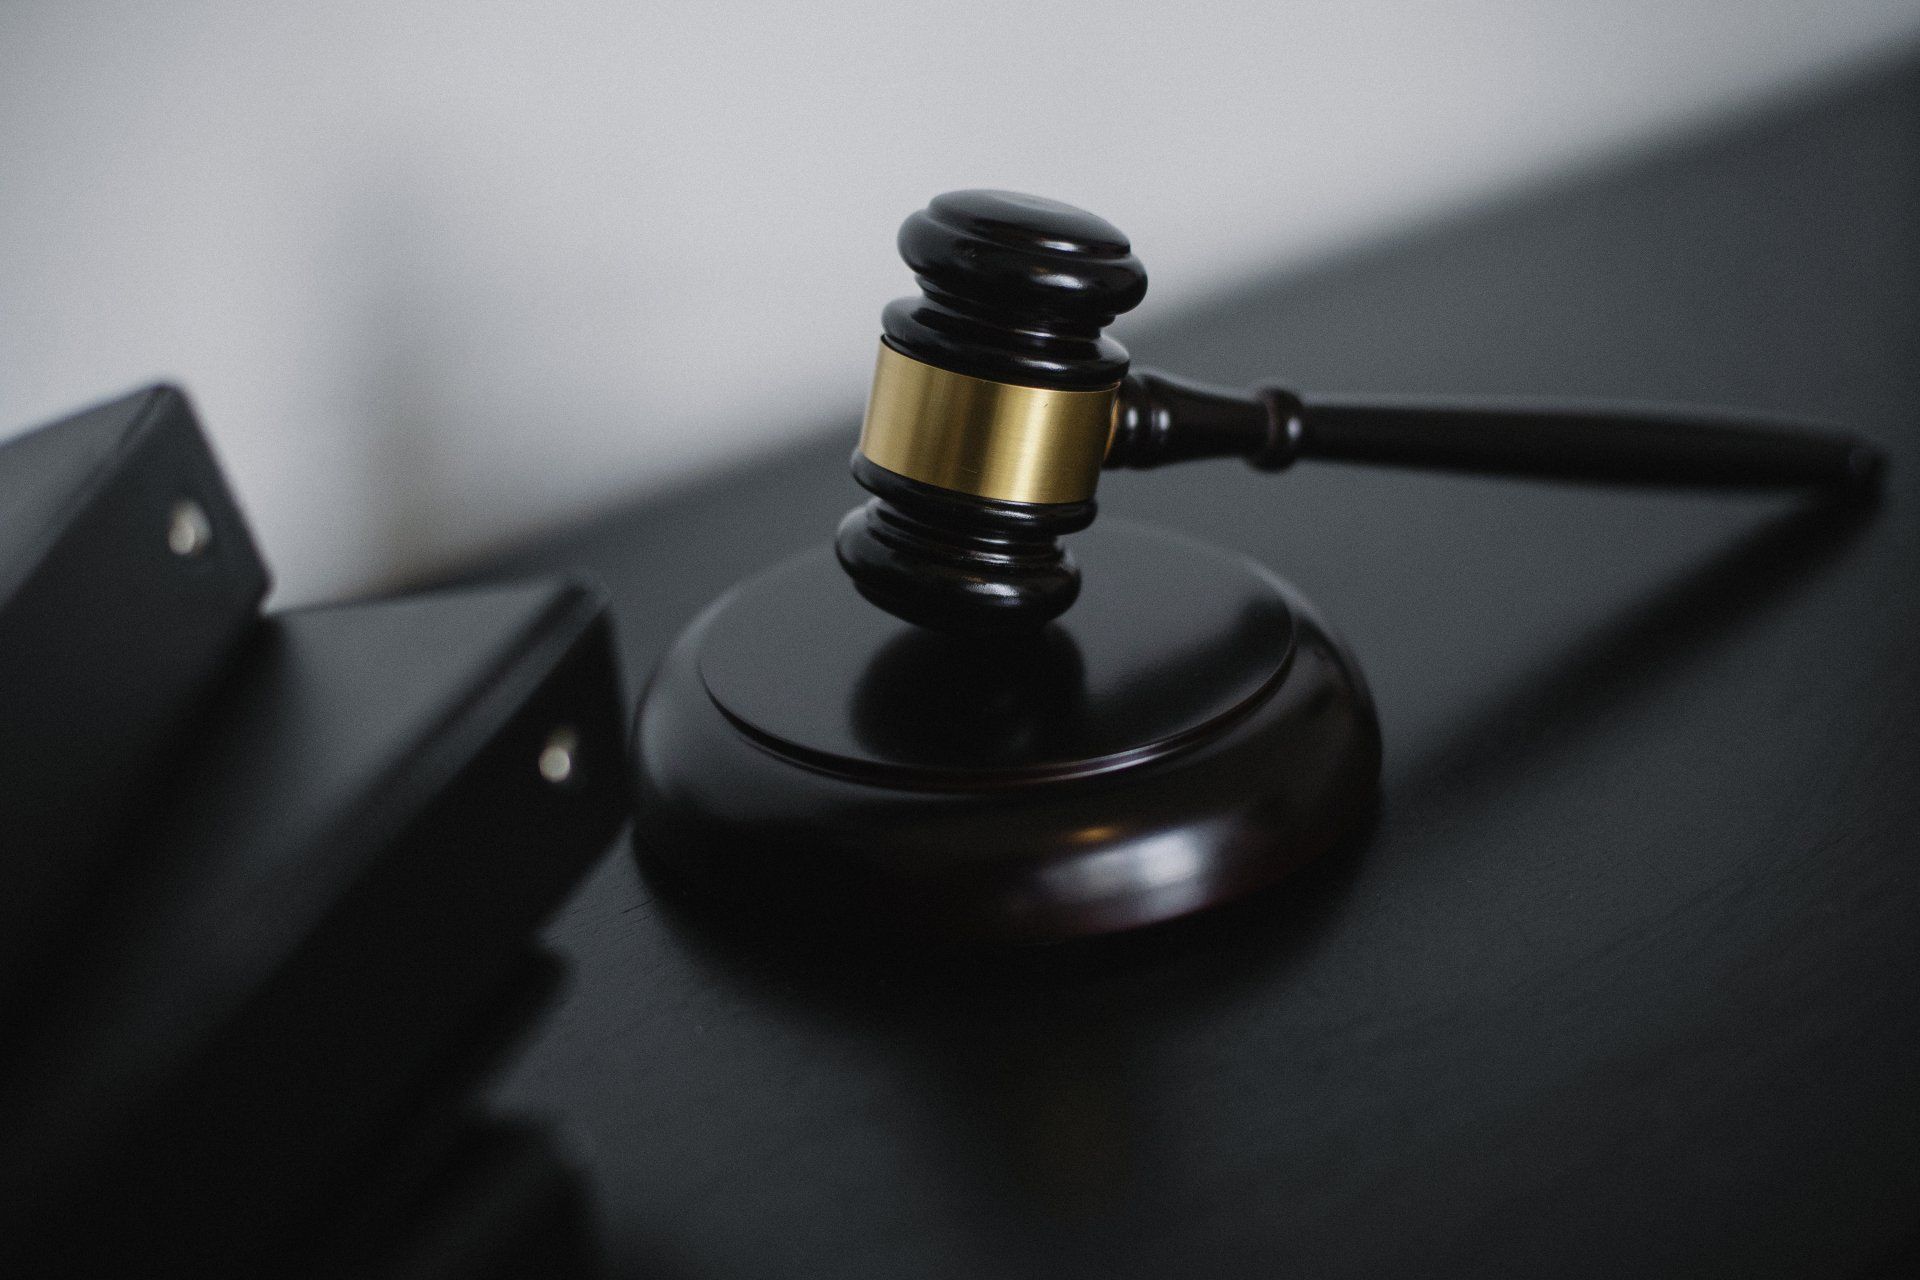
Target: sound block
1188, 733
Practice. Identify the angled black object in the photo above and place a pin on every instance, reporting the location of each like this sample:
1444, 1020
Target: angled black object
127, 576
322, 935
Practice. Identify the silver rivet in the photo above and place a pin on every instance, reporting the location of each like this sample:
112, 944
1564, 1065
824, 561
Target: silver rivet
556, 758
189, 532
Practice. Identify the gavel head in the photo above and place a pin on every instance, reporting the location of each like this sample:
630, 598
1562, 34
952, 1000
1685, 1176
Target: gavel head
991, 411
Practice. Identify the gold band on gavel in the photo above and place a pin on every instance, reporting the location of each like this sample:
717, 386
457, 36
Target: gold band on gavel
989, 439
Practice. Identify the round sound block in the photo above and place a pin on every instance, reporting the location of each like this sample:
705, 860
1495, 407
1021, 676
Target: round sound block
1189, 732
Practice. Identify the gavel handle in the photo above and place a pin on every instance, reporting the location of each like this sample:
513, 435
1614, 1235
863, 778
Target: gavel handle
1161, 419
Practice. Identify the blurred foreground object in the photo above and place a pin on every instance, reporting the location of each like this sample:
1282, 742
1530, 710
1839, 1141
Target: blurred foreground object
297, 863
127, 580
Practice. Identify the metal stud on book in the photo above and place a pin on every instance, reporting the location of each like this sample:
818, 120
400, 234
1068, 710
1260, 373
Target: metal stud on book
951, 725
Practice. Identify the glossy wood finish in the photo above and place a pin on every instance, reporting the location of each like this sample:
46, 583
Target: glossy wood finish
1163, 419
1623, 982
1017, 290
1014, 288
1191, 733
958, 564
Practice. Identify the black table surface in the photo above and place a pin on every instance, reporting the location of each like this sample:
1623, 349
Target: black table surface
1625, 980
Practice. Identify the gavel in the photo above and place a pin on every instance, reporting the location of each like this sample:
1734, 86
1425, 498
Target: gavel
998, 400
996, 754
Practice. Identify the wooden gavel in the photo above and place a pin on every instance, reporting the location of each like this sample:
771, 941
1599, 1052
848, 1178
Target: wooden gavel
998, 400
978, 759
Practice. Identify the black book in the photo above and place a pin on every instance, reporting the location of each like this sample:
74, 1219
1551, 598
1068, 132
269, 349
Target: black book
334, 905
127, 577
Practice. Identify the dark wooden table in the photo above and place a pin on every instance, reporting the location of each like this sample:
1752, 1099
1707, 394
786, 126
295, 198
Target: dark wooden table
1627, 982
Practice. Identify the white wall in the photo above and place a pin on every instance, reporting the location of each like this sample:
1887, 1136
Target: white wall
438, 272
